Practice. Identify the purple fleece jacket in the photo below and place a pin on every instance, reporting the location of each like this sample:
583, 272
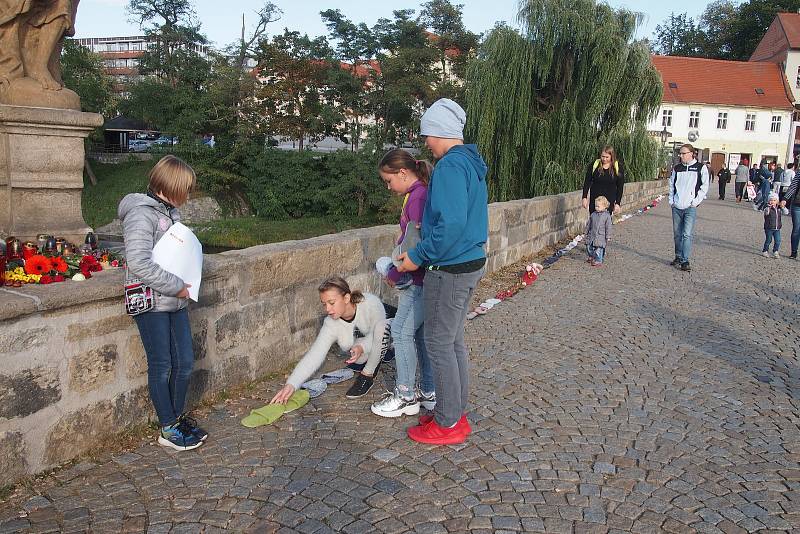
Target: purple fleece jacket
412, 213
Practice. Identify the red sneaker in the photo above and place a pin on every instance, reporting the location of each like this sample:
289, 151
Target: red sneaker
463, 424
434, 434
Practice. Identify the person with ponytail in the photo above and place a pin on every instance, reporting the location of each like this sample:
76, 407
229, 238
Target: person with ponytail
356, 322
409, 177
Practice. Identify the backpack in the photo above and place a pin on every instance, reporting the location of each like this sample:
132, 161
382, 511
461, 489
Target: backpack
696, 167
596, 164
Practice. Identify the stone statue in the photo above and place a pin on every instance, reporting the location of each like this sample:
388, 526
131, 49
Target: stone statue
31, 37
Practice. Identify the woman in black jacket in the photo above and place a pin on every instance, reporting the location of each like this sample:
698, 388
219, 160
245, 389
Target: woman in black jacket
604, 178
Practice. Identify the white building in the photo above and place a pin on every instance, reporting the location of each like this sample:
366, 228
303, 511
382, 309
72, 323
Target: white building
728, 110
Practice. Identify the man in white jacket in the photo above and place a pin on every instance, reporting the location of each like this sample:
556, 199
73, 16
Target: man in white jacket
688, 186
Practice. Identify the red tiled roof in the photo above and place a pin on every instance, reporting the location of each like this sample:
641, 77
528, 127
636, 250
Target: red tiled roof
782, 35
791, 26
714, 81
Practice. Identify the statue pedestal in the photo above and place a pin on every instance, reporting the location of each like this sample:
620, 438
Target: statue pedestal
41, 171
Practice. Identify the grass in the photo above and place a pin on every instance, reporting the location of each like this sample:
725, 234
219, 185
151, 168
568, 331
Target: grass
250, 231
115, 181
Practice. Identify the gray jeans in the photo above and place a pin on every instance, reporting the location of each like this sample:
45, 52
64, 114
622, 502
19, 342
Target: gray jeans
447, 297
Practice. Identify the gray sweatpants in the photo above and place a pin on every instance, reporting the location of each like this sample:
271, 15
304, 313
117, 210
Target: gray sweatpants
447, 297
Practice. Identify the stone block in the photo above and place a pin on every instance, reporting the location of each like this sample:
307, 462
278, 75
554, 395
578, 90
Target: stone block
28, 391
13, 460
199, 386
135, 357
16, 342
94, 424
377, 242
251, 324
495, 218
310, 263
199, 342
93, 369
305, 308
231, 372
101, 327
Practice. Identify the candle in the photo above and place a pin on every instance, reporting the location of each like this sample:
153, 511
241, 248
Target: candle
29, 250
13, 248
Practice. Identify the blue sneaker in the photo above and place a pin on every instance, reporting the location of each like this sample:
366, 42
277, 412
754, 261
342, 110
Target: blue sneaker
191, 425
179, 437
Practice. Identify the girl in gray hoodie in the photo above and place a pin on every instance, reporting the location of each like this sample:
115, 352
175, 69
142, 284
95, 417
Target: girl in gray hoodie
157, 299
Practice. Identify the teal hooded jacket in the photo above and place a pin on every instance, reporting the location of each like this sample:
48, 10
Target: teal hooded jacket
455, 223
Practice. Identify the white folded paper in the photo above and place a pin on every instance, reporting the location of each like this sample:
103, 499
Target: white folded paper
180, 253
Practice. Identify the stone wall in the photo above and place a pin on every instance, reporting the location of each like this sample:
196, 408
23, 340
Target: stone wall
73, 370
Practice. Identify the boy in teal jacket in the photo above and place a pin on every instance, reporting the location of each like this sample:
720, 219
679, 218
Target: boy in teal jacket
454, 232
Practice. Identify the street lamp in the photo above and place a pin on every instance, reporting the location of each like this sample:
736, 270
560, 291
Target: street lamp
664, 135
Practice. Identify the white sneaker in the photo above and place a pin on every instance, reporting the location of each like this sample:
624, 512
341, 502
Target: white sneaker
393, 405
765, 254
427, 400
776, 255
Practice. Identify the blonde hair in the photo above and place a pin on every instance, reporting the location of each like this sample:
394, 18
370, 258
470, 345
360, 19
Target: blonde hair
340, 284
602, 202
172, 178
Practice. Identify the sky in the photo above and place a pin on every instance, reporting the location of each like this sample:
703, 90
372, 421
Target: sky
221, 20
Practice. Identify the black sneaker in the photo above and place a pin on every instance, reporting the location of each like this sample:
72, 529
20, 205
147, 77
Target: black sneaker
178, 437
191, 425
676, 262
686, 267
361, 386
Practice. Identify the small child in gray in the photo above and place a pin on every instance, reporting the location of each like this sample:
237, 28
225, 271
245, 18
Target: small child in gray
598, 232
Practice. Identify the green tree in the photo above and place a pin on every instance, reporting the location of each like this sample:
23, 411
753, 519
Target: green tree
678, 35
716, 29
82, 71
293, 71
451, 38
407, 75
543, 102
752, 21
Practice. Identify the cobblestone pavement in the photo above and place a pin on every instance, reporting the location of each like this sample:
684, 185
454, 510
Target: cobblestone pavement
632, 397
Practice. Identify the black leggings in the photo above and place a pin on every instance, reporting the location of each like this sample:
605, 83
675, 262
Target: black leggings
740, 189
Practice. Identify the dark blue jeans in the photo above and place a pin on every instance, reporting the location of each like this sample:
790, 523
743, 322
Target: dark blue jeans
795, 240
770, 235
167, 340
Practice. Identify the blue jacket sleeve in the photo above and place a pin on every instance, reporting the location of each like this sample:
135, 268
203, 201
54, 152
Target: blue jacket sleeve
448, 214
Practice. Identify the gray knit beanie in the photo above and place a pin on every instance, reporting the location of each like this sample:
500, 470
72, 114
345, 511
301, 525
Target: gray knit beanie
444, 119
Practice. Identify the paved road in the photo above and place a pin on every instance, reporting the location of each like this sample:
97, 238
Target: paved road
628, 398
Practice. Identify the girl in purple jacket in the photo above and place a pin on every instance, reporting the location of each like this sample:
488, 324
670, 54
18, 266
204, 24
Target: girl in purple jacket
406, 176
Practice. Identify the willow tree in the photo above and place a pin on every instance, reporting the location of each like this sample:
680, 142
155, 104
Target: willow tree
543, 100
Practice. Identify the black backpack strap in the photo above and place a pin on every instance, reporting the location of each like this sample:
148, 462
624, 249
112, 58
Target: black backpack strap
699, 183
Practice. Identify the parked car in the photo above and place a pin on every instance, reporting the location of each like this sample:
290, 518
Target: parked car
166, 140
138, 145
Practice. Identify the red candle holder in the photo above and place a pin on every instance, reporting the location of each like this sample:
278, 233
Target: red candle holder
2, 270
29, 250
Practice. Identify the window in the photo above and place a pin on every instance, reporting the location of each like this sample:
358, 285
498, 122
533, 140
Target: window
722, 120
797, 82
776, 124
750, 122
694, 119
666, 117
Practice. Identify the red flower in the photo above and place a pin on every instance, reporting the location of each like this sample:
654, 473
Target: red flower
58, 264
90, 264
58, 278
37, 265
45, 279
85, 271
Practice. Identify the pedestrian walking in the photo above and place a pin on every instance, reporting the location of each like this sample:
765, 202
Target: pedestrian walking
604, 177
742, 176
772, 226
786, 180
724, 176
688, 187
598, 232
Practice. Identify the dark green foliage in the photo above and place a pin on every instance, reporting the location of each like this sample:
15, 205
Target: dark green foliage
82, 71
725, 30
542, 103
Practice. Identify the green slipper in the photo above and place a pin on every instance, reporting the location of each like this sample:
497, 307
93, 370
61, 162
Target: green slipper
298, 399
266, 415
